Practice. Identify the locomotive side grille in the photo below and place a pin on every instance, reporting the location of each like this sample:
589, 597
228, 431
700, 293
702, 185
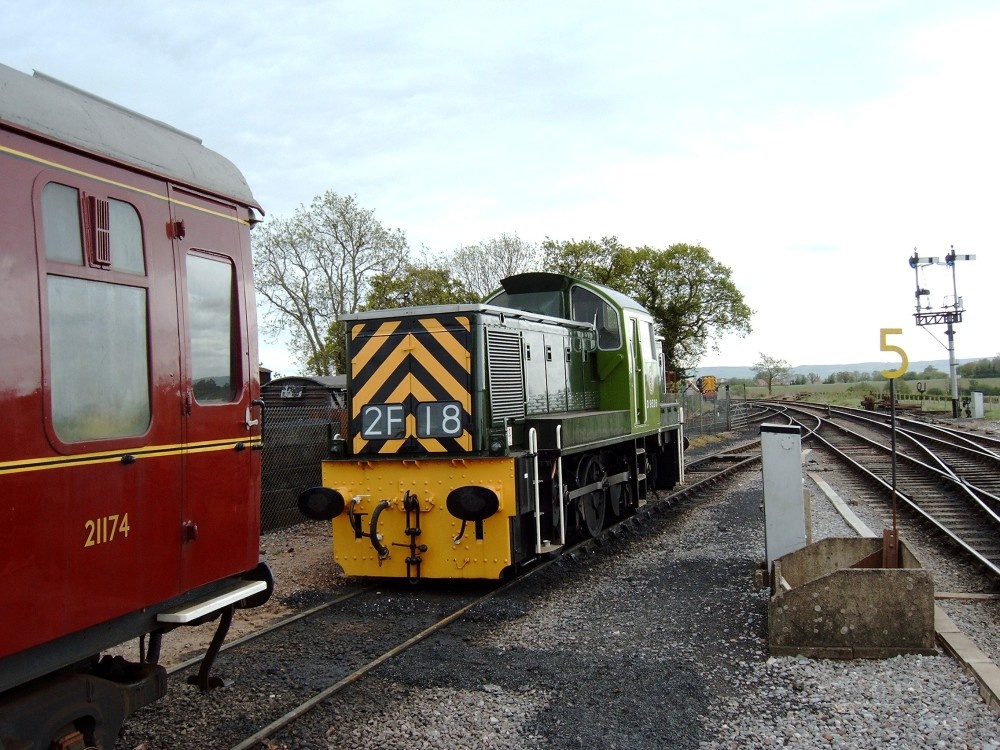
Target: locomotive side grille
506, 373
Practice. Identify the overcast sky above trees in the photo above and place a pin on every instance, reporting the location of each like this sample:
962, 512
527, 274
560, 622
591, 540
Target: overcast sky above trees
818, 142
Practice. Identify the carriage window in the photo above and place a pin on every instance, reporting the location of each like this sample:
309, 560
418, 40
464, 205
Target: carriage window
61, 224
210, 312
126, 239
91, 325
589, 308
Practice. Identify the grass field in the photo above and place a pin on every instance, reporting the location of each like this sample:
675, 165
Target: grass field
936, 396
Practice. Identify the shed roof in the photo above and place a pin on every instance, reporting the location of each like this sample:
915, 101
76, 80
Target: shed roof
327, 381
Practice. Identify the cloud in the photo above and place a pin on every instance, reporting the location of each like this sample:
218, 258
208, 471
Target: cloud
809, 146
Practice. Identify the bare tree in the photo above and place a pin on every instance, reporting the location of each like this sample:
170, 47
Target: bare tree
480, 267
771, 370
318, 264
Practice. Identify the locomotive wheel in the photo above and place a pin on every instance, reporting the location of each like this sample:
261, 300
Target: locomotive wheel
593, 504
651, 471
620, 500
615, 504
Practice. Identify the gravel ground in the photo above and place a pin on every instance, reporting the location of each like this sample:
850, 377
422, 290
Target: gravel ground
659, 641
656, 641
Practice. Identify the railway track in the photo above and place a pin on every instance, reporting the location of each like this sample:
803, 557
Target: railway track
281, 674
946, 478
274, 675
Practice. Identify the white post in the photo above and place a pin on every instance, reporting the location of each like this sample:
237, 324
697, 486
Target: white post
784, 506
977, 405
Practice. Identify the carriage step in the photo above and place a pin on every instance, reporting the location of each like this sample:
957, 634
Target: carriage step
546, 547
236, 591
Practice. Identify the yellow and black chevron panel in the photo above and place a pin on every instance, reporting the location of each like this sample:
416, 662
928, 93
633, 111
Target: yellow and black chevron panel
411, 383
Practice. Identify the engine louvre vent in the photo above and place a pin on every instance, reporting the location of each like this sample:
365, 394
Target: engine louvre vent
506, 373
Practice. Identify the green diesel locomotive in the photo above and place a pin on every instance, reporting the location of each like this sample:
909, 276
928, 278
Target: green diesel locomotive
482, 437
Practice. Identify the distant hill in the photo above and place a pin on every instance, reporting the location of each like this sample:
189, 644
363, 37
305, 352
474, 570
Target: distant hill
825, 370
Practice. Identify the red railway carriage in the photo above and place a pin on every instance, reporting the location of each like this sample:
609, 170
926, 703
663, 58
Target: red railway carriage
130, 472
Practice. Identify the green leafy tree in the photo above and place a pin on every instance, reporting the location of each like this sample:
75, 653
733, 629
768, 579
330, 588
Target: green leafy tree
417, 285
319, 264
605, 262
692, 297
331, 356
771, 370
984, 368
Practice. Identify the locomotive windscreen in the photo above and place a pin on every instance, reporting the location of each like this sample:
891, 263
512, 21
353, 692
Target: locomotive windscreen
542, 303
540, 293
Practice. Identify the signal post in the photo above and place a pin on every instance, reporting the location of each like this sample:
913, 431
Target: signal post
948, 315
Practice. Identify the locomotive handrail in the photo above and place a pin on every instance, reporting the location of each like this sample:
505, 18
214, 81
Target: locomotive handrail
533, 452
559, 473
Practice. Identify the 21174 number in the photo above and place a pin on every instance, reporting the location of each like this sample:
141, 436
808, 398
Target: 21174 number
105, 529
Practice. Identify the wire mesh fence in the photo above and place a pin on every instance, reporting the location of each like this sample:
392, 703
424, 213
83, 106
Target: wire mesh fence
300, 419
709, 416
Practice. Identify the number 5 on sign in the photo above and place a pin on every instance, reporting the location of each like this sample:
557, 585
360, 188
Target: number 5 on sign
899, 371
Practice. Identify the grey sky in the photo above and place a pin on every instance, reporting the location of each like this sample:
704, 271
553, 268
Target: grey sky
819, 142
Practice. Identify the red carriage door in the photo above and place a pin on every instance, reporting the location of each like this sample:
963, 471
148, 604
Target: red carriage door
221, 516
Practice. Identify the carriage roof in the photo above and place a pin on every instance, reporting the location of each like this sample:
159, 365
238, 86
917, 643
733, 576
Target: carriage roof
49, 108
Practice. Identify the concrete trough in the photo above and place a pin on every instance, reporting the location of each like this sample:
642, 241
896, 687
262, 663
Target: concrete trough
823, 607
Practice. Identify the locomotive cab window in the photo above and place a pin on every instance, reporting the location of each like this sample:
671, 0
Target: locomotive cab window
542, 303
648, 340
96, 314
211, 305
589, 308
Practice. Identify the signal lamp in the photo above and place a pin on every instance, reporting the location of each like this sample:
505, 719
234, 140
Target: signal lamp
498, 444
338, 447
